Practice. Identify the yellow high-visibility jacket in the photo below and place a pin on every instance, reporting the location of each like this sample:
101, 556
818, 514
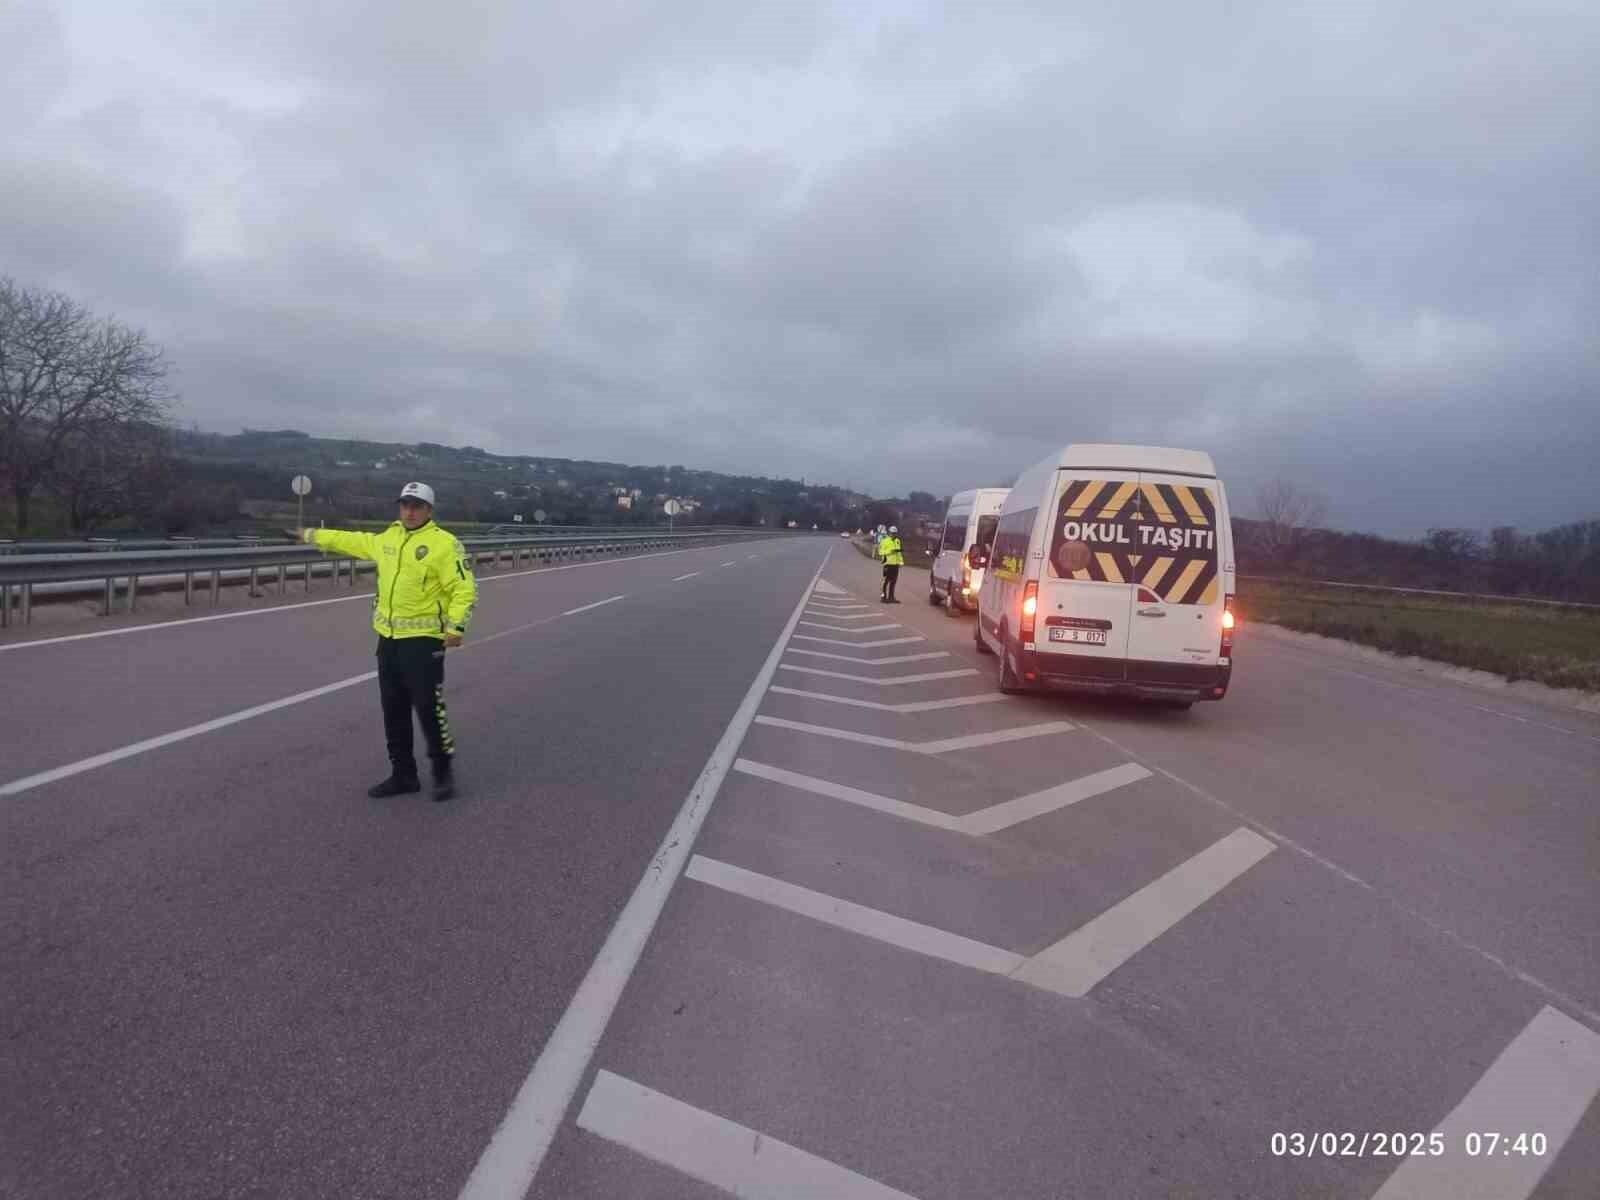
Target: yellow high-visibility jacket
893, 552
425, 583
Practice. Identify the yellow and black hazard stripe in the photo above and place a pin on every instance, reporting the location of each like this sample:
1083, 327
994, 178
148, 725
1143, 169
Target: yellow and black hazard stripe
1186, 576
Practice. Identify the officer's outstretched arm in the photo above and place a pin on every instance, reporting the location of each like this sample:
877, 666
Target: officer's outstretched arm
349, 542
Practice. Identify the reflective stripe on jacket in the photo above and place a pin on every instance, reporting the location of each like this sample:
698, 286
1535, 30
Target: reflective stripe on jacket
893, 552
425, 583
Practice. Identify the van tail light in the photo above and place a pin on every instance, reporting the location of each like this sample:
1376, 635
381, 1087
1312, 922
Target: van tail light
1030, 610
1228, 622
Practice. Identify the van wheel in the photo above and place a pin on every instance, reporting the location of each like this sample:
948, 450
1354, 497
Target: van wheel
977, 638
1009, 683
951, 608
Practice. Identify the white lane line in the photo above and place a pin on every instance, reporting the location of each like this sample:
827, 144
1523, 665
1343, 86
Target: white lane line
1047, 970
876, 662
915, 706
1087, 955
514, 1154
681, 578
900, 641
1543, 1081
735, 1158
727, 564
850, 795
824, 588
835, 616
279, 608
1025, 808
28, 782
976, 824
1510, 970
925, 677
941, 746
572, 612
857, 918
852, 628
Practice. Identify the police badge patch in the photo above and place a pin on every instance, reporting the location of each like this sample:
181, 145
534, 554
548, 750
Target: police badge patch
422, 553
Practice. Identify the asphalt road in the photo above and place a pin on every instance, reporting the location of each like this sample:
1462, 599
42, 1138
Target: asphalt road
928, 942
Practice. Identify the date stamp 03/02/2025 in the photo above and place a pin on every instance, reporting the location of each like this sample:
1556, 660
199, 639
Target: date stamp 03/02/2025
1398, 1144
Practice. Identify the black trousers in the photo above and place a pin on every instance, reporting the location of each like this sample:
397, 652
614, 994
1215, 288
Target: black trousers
411, 680
891, 576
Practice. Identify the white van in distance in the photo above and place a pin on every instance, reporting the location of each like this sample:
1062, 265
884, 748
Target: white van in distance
969, 525
1113, 572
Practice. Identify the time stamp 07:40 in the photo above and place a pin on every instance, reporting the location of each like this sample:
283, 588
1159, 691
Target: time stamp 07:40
1405, 1145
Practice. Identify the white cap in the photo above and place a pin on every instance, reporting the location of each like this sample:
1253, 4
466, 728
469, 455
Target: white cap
894, 529
417, 491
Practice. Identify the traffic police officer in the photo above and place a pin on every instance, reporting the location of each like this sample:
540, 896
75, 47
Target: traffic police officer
424, 601
893, 559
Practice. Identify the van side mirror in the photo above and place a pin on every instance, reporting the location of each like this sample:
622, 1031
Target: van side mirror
977, 558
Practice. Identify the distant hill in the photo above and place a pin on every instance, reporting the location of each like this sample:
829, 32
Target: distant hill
357, 479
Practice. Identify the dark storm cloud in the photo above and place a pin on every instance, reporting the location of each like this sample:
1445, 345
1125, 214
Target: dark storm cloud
881, 244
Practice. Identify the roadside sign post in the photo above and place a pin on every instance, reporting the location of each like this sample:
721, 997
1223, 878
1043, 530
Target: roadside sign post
301, 486
673, 509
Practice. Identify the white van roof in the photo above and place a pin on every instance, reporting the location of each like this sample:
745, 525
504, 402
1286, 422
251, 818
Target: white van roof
1116, 457
973, 496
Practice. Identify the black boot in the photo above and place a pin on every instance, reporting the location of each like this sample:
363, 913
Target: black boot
396, 785
444, 780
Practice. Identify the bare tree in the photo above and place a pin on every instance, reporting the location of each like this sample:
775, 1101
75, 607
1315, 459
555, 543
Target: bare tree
1288, 512
103, 474
67, 378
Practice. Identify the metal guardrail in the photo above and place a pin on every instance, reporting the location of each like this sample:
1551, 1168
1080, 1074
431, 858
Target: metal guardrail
1479, 597
111, 545
22, 573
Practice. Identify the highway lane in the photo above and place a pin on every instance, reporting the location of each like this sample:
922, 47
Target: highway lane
228, 973
1368, 973
1340, 900
69, 699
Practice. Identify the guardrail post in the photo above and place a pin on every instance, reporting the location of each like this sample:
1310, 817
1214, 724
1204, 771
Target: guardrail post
283, 578
188, 588
216, 587
27, 603
105, 608
133, 592
255, 582
5, 605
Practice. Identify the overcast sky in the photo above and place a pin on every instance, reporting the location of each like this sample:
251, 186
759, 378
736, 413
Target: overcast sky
893, 245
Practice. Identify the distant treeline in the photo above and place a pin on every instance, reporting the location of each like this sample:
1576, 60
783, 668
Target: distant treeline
1557, 564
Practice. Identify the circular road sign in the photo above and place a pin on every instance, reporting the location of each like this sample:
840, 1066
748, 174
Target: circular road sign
300, 485
539, 515
673, 508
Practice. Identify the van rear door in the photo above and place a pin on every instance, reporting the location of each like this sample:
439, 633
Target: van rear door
1085, 603
1177, 614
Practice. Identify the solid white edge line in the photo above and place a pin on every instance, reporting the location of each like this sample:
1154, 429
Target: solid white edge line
690, 575
517, 1149
925, 677
583, 608
1541, 1082
28, 782
713, 1149
278, 608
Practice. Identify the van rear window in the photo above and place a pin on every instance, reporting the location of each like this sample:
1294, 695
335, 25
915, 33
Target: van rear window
1162, 536
985, 537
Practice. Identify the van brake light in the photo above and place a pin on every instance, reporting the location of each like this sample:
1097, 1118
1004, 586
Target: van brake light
1030, 610
1228, 622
